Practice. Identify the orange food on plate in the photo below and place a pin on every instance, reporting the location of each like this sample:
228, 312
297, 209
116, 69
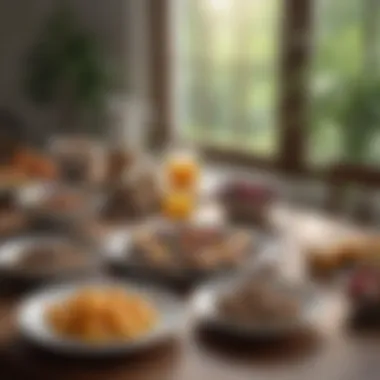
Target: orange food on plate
34, 164
101, 315
43, 168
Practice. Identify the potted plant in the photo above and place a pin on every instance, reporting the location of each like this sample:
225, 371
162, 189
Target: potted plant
354, 110
359, 117
66, 69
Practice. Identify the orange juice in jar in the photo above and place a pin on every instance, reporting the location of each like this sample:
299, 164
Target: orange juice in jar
178, 205
182, 172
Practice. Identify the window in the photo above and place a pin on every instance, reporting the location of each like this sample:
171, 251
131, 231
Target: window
228, 54
241, 85
345, 122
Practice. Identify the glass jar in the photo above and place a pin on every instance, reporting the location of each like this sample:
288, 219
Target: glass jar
80, 159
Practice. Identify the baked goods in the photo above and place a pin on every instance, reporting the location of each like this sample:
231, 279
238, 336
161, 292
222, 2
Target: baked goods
100, 315
347, 253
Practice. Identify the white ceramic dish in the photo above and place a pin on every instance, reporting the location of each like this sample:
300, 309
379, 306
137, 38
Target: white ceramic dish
205, 309
31, 198
33, 326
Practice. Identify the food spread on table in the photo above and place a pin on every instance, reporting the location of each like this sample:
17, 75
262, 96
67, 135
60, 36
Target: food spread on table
175, 245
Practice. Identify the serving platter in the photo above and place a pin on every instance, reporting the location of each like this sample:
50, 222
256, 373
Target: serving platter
33, 199
121, 254
205, 308
34, 327
14, 250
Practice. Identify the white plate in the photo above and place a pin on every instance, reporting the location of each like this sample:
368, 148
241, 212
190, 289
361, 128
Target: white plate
118, 250
33, 325
205, 300
12, 251
31, 198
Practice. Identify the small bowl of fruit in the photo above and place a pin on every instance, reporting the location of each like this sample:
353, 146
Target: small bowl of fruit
247, 202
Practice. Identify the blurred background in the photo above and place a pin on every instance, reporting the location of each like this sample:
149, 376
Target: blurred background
234, 73
244, 113
289, 87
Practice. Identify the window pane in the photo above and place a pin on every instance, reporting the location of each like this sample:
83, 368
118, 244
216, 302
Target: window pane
344, 83
228, 73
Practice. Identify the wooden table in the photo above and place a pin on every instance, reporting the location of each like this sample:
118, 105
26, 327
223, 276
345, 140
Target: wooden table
331, 352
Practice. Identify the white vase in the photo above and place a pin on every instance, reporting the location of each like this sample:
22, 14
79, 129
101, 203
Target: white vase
129, 121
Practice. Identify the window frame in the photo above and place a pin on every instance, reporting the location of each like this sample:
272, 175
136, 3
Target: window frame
295, 61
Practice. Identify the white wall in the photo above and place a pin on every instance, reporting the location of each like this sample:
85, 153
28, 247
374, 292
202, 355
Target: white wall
119, 24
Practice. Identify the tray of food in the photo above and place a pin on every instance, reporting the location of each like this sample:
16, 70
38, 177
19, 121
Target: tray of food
59, 203
256, 306
46, 258
183, 252
100, 318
